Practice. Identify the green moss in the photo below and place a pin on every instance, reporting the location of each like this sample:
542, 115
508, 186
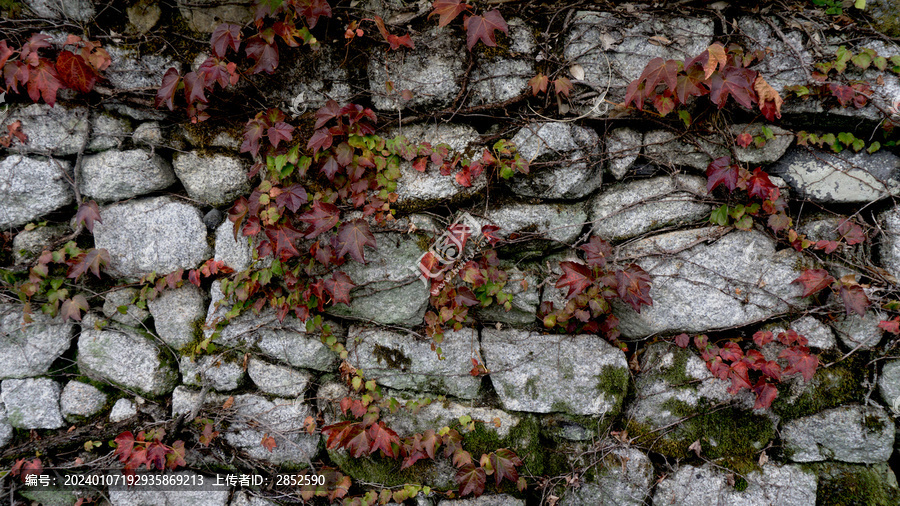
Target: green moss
395, 359
500, 51
614, 381
829, 388
855, 485
437, 474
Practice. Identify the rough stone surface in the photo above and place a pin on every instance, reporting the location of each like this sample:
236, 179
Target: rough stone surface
524, 286
285, 341
557, 222
738, 279
582, 375
215, 179
31, 188
307, 83
28, 244
664, 148
485, 500
235, 253
860, 331
787, 55
282, 419
123, 409
439, 414
6, 430
422, 189
176, 314
28, 349
185, 400
634, 208
623, 146
134, 316
32, 403
59, 130
817, 333
129, 69
118, 175
158, 234
845, 178
889, 385
859, 434
890, 241
572, 155
278, 379
429, 71
771, 151
125, 358
79, 400
74, 10
500, 79
143, 15
210, 495
401, 361
388, 290
613, 51
220, 373
624, 479
108, 131
205, 15
702, 486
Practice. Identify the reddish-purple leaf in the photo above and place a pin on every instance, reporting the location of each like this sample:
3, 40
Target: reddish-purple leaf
633, 286
88, 213
321, 218
483, 27
763, 338
765, 394
89, 261
72, 308
471, 480
576, 277
448, 10
504, 462
734, 81
321, 139
814, 280
851, 232
312, 10
224, 36
291, 197
721, 171
799, 360
892, 326
682, 340
43, 82
75, 72
253, 132
264, 55
280, 131
353, 236
194, 88
166, 92
731, 352
759, 185
339, 286
283, 238
597, 251
855, 300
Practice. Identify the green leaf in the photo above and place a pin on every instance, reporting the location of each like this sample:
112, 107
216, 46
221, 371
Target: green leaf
860, 4
768, 133
843, 56
862, 60
875, 146
846, 138
880, 63
685, 118
744, 223
737, 211
720, 216
858, 144
827, 139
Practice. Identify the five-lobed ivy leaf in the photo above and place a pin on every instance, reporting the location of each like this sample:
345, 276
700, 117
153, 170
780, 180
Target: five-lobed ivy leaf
722, 171
576, 277
166, 92
448, 10
633, 285
88, 213
75, 72
813, 281
353, 236
339, 286
321, 218
471, 479
224, 36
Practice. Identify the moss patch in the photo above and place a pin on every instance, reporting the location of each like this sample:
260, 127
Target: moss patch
855, 485
829, 388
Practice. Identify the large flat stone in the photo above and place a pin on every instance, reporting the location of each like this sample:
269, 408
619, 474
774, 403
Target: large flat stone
31, 188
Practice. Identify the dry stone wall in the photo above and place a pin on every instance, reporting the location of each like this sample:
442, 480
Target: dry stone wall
651, 426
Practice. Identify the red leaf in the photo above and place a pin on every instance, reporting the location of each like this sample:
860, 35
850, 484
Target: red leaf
353, 236
718, 368
88, 213
394, 40
765, 394
92, 260
563, 86
264, 55
268, 442
321, 218
721, 171
691, 83
759, 185
828, 246
312, 10
124, 445
597, 251
213, 70
194, 88
763, 338
656, 71
339, 285
799, 360
734, 81
682, 340
633, 286
814, 280
504, 462
448, 10
166, 92
664, 103
844, 94
280, 131
892, 326
329, 111
291, 197
471, 480
5, 53
771, 369
739, 376
576, 277
43, 82
483, 27
283, 238
72, 308
778, 221
769, 99
851, 232
321, 139
731, 352
75, 72
855, 300
224, 36
382, 439
538, 83
744, 140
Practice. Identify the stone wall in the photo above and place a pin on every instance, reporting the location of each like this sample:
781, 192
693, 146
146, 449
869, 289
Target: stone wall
652, 426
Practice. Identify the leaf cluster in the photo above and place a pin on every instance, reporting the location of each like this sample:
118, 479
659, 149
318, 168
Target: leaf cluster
716, 72
481, 27
41, 77
147, 449
591, 286
850, 291
749, 369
